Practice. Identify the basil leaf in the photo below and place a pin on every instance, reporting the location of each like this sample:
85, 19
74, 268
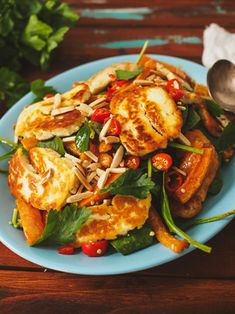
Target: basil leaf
192, 119
227, 139
214, 108
131, 183
55, 144
82, 139
127, 75
61, 226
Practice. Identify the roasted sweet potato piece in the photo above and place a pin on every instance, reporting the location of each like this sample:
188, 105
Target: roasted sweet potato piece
31, 220
163, 235
194, 205
196, 166
29, 142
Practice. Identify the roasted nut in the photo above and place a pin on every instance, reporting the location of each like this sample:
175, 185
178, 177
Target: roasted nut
105, 160
104, 148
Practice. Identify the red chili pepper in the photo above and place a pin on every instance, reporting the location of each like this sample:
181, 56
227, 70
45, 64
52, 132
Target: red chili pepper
100, 114
162, 161
67, 250
95, 249
112, 76
48, 96
174, 88
114, 128
120, 83
132, 162
173, 181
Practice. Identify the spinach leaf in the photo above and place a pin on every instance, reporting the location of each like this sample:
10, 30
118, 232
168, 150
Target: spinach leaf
135, 240
82, 139
55, 144
227, 139
61, 226
214, 108
166, 213
131, 183
192, 119
126, 75
39, 89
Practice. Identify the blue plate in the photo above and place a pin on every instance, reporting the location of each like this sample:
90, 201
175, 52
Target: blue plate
113, 263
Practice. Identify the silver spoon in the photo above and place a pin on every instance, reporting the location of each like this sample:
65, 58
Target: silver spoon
221, 84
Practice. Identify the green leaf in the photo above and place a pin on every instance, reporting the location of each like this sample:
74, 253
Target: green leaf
36, 33
55, 144
8, 155
217, 183
61, 226
12, 86
227, 139
39, 89
131, 183
192, 119
135, 240
56, 38
214, 108
82, 139
186, 148
166, 213
127, 75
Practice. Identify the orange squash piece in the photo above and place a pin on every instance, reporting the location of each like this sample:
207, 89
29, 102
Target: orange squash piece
163, 235
31, 220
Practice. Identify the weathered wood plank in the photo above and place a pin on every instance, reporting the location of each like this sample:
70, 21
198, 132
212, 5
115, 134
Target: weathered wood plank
155, 13
120, 294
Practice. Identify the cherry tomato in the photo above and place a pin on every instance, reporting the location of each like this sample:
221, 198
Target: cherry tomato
132, 162
114, 128
162, 161
174, 88
100, 114
67, 250
94, 249
173, 181
48, 96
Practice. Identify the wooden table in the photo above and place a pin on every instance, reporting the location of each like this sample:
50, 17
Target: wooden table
196, 283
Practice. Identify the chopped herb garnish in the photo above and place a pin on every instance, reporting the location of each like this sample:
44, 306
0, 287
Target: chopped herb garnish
126, 75
131, 183
82, 139
55, 144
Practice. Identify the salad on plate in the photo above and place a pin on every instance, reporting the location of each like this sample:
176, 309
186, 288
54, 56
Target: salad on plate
124, 159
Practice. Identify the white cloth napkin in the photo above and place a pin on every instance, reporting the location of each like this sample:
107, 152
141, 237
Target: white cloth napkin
218, 44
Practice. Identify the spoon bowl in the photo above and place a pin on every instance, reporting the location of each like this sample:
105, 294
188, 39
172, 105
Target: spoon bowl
221, 84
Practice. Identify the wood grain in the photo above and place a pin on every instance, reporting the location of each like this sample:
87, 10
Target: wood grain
119, 294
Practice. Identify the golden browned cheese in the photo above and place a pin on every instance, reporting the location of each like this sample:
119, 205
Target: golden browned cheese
201, 171
108, 221
44, 179
149, 118
36, 120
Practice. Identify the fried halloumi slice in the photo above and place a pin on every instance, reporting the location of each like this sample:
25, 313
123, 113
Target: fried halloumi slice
44, 179
148, 116
108, 221
36, 120
103, 78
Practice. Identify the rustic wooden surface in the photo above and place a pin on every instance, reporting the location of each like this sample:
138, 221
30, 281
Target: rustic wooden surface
196, 283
